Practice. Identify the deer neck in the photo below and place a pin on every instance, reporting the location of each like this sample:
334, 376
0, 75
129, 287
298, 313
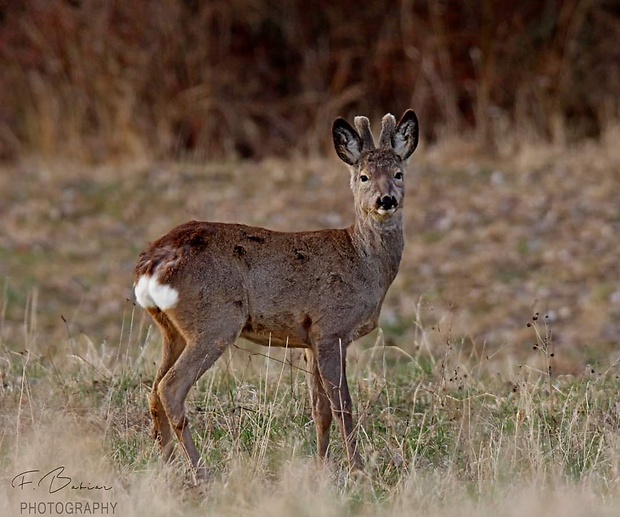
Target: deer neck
379, 244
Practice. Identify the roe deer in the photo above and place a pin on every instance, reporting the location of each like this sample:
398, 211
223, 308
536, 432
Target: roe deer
205, 284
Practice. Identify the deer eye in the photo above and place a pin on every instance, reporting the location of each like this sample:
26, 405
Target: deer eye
363, 177
398, 176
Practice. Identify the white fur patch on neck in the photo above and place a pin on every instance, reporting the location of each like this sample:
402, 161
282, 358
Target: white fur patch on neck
150, 293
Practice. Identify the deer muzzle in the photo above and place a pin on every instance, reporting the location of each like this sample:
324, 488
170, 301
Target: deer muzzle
386, 203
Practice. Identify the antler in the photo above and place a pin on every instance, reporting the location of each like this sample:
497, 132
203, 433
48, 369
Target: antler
388, 124
363, 128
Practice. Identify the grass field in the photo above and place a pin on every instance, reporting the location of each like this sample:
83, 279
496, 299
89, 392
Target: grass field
492, 388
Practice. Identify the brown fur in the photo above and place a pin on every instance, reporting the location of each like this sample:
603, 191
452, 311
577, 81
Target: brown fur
316, 290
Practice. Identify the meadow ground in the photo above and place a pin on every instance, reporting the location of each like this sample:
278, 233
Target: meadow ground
492, 388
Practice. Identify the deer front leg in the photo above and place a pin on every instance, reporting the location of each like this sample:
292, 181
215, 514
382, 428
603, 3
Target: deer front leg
331, 359
321, 407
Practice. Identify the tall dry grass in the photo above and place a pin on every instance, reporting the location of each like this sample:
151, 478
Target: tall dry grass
439, 434
95, 80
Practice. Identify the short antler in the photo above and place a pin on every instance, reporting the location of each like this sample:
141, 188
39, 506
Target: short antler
363, 128
388, 124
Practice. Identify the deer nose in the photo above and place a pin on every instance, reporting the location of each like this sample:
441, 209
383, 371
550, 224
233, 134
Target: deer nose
387, 202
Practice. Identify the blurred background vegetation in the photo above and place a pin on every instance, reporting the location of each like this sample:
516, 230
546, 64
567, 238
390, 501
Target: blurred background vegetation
251, 78
119, 120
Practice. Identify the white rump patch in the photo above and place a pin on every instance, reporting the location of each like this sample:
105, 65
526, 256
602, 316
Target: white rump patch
164, 296
150, 293
141, 291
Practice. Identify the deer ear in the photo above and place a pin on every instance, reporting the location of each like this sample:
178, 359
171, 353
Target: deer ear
347, 141
406, 135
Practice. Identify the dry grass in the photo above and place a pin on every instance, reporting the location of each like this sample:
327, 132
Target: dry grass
438, 441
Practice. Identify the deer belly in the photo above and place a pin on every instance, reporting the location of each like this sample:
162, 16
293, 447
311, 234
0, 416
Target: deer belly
282, 332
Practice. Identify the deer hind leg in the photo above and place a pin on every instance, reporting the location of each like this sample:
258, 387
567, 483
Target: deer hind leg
331, 359
199, 355
173, 345
321, 408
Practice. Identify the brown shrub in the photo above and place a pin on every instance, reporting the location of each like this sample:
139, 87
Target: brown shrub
258, 77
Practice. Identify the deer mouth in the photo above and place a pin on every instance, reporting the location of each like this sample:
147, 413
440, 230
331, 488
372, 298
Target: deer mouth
385, 212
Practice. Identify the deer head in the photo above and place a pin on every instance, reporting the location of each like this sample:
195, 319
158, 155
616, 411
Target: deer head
377, 173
